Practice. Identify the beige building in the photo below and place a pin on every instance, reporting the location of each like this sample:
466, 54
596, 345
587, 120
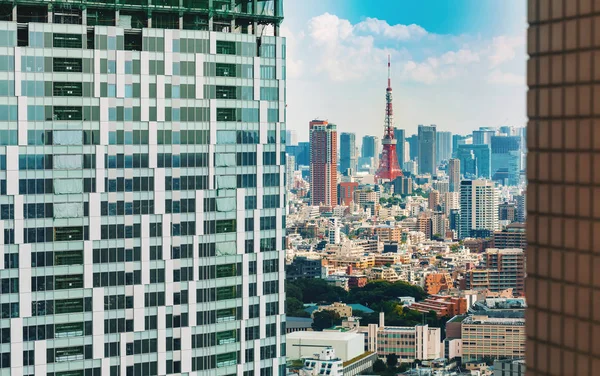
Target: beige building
340, 308
483, 336
383, 273
388, 234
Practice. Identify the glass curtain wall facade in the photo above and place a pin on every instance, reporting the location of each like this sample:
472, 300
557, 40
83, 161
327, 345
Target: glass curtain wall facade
142, 201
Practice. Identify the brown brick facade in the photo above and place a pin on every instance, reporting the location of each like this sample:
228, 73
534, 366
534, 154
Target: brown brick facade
563, 224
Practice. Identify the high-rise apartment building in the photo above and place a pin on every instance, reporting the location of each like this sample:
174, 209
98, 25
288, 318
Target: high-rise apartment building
143, 171
400, 136
513, 236
290, 168
563, 230
427, 149
323, 163
478, 207
454, 174
348, 157
443, 144
500, 269
521, 206
451, 201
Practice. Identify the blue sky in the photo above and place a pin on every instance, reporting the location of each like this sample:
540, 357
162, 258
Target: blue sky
459, 64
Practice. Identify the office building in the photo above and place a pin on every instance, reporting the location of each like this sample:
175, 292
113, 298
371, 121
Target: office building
494, 337
400, 136
370, 147
346, 192
347, 345
427, 150
348, 157
301, 152
411, 168
304, 267
323, 163
290, 168
413, 142
458, 139
509, 367
409, 343
513, 236
130, 163
478, 207
475, 160
483, 136
506, 159
507, 211
291, 137
454, 174
443, 144
403, 185
500, 269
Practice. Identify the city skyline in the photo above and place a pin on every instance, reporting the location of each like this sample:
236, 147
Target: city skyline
451, 66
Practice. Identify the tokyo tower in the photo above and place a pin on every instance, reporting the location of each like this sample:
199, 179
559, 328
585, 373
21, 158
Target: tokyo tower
388, 165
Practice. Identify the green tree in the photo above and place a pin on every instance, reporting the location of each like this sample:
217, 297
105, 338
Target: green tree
392, 360
292, 290
379, 366
325, 320
292, 306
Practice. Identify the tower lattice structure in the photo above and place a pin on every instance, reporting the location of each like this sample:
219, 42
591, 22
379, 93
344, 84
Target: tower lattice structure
388, 164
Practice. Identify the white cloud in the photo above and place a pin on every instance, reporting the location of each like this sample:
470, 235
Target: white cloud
504, 78
341, 51
420, 72
399, 31
294, 64
328, 29
504, 49
464, 56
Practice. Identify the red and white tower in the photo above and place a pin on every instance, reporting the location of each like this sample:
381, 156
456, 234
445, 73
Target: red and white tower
388, 164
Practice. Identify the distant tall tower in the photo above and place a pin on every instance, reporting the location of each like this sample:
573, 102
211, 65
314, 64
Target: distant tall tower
388, 165
323, 163
454, 174
399, 135
348, 157
427, 149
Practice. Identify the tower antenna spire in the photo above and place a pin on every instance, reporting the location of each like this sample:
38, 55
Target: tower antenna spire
389, 71
388, 164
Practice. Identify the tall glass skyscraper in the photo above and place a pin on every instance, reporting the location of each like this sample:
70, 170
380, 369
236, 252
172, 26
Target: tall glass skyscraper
475, 160
400, 136
348, 157
142, 188
427, 149
443, 146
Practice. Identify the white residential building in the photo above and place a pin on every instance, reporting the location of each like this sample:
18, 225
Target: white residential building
478, 206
